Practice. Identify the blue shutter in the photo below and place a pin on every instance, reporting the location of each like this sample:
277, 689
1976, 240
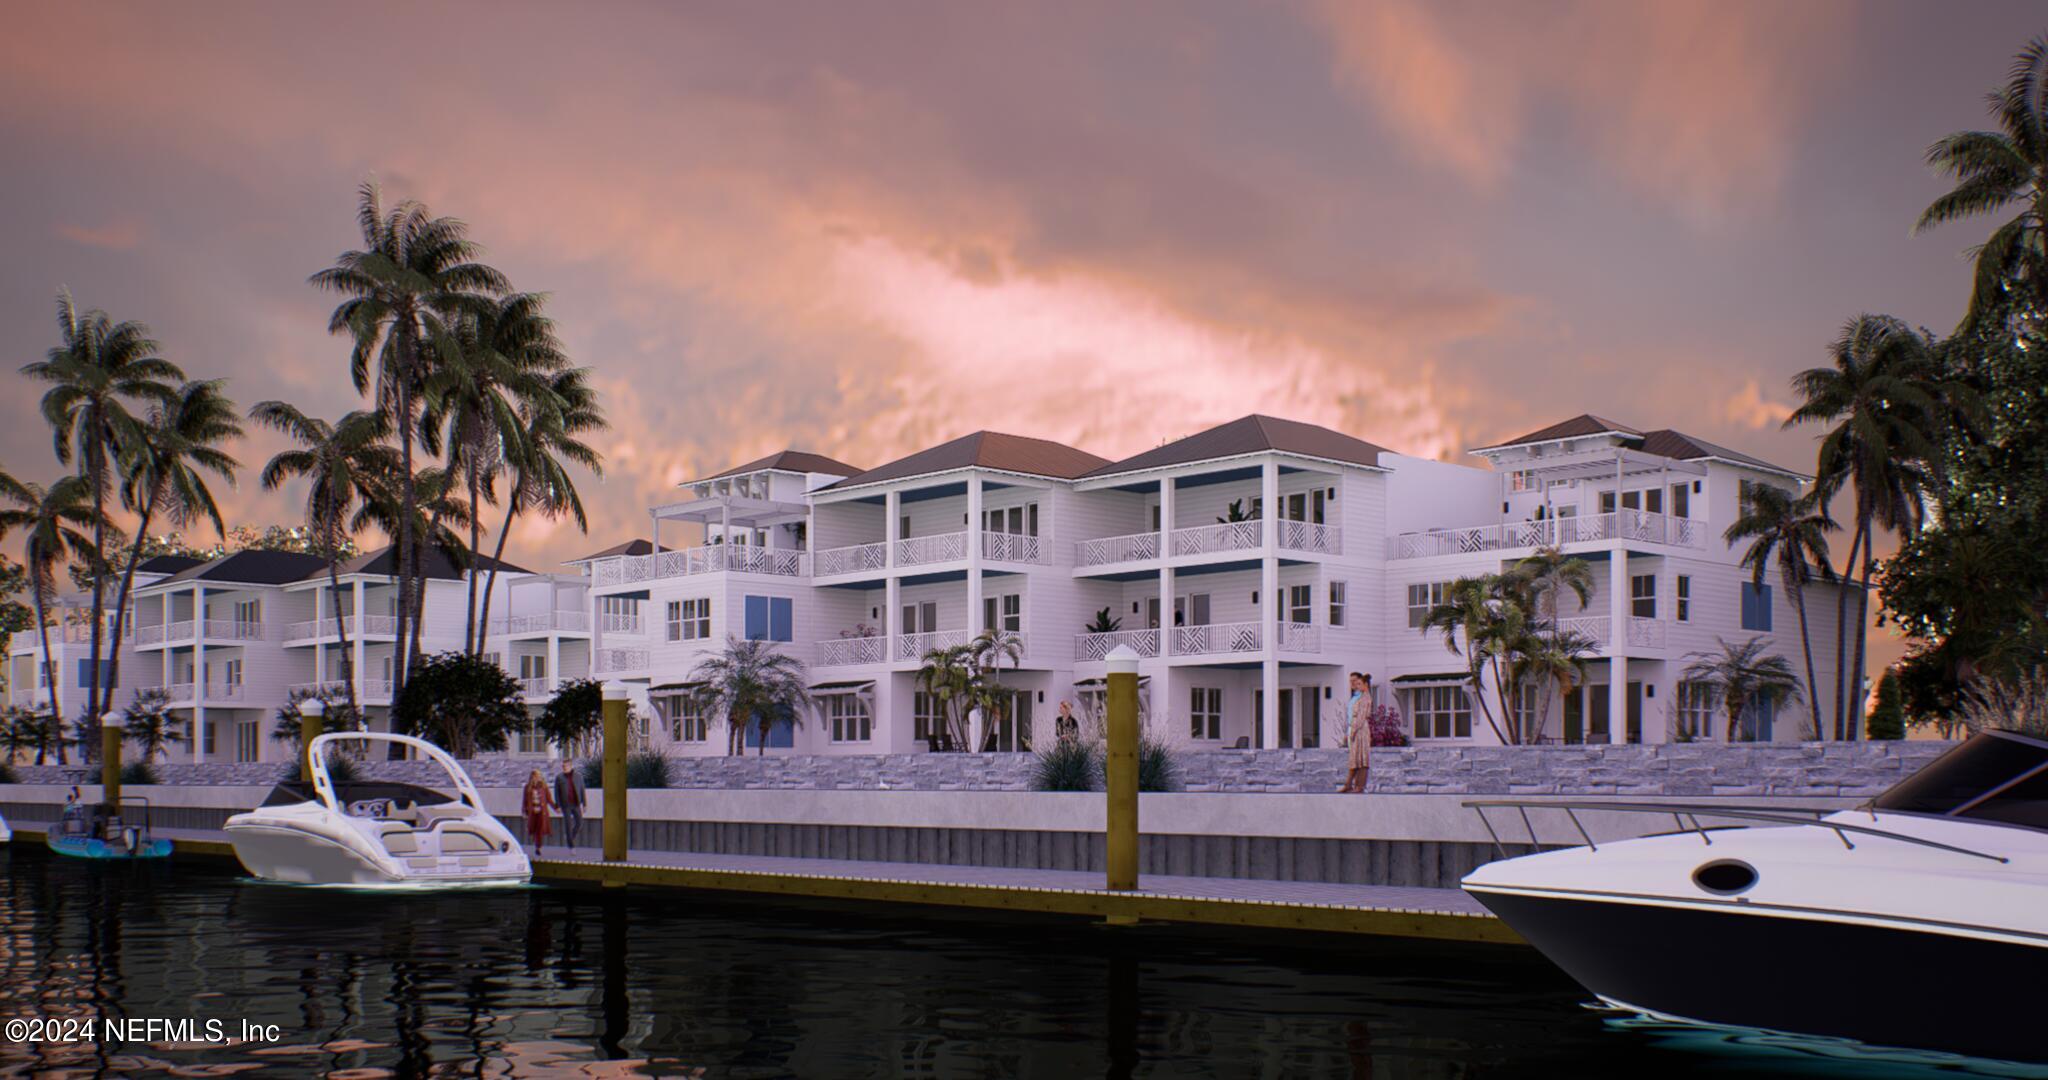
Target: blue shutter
757, 618
781, 616
1748, 606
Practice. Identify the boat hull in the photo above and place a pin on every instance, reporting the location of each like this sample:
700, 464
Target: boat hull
303, 857
1926, 987
86, 847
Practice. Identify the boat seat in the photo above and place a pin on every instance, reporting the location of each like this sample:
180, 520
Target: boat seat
400, 841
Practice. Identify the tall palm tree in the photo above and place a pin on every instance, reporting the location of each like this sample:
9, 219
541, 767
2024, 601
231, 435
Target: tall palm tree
166, 467
1480, 609
150, 725
751, 679
1993, 171
1883, 397
404, 288
986, 653
437, 513
506, 353
1741, 674
55, 520
344, 461
1556, 664
100, 370
1789, 535
1548, 574
949, 675
540, 479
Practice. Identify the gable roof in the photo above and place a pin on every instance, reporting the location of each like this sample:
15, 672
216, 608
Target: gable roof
637, 546
167, 564
434, 563
984, 450
1679, 445
796, 461
251, 567
1581, 426
1250, 435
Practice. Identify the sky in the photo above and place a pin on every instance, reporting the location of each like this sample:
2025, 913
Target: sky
862, 228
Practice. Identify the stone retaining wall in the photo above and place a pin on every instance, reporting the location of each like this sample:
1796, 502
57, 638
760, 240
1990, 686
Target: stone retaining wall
1676, 769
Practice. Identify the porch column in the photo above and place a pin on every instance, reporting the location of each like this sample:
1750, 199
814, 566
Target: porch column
357, 661
1162, 670
554, 661
1269, 600
892, 515
656, 528
975, 623
1617, 642
199, 679
1166, 501
320, 616
892, 586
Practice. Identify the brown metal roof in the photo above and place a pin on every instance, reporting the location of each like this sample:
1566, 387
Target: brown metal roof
1578, 427
434, 563
630, 547
985, 450
1677, 444
796, 461
1250, 435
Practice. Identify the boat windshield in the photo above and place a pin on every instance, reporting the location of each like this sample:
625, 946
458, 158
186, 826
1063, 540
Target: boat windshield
347, 794
1995, 776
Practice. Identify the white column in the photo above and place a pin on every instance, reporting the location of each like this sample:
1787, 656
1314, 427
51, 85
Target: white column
320, 616
655, 520
892, 515
357, 662
892, 586
975, 624
1269, 598
199, 660
554, 661
1617, 642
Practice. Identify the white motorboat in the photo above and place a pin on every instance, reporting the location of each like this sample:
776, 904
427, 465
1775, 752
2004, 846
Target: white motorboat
1811, 923
374, 833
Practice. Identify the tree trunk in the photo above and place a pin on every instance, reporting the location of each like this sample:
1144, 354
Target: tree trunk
1806, 645
348, 666
473, 633
121, 598
38, 591
96, 464
1862, 634
408, 361
1842, 617
498, 556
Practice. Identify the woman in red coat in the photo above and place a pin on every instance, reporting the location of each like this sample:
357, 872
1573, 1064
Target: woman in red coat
537, 805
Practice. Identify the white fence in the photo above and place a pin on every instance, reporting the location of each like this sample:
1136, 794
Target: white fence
543, 622
1240, 637
1099, 646
611, 660
741, 558
1011, 547
1311, 537
914, 646
1624, 524
849, 651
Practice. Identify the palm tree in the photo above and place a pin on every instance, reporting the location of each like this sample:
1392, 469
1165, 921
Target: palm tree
345, 462
948, 674
438, 511
1883, 398
1994, 170
151, 726
29, 730
101, 368
404, 288
1741, 674
54, 519
1491, 624
506, 354
1556, 663
165, 475
1790, 534
1547, 574
751, 679
986, 654
540, 482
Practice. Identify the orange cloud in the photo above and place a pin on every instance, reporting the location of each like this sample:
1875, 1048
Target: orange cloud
113, 236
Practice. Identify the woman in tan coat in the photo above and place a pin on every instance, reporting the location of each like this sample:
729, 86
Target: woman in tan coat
1360, 740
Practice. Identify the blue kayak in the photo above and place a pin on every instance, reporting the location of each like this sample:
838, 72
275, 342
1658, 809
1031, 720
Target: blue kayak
92, 847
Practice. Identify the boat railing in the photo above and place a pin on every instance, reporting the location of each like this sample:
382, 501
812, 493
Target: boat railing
1687, 817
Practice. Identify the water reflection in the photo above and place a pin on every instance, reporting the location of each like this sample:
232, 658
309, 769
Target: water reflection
557, 982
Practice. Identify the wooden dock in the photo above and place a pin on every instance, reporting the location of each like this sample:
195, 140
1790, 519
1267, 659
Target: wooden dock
1437, 914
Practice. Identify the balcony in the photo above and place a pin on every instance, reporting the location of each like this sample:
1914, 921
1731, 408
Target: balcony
1642, 633
853, 651
1011, 548
688, 562
1210, 539
610, 661
1632, 526
1098, 646
1309, 536
939, 548
1241, 637
367, 626
533, 687
546, 622
1299, 637
1105, 550
331, 687
162, 633
914, 646
618, 622
858, 559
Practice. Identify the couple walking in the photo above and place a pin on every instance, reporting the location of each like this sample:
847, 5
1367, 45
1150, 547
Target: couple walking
539, 802
1359, 741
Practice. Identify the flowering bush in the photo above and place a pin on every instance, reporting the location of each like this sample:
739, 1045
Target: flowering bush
1387, 728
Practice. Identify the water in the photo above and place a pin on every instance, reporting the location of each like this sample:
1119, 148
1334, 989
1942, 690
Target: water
545, 982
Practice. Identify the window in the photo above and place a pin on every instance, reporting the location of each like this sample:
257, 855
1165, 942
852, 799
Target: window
689, 620
1440, 712
1191, 610
1528, 698
1155, 517
675, 620
531, 741
1522, 480
1299, 600
1005, 612
1653, 500
1607, 502
903, 528
848, 718
1756, 606
248, 613
85, 672
927, 716
770, 618
1421, 597
920, 618
231, 673
206, 737
1205, 713
247, 744
1642, 592
1759, 718
1336, 603
1681, 501
1684, 598
533, 666
1696, 707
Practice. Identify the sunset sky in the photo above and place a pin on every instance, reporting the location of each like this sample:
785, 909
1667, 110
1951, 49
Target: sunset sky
859, 228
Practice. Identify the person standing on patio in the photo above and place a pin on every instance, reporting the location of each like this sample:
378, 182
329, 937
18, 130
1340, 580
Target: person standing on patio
537, 806
1066, 728
1359, 741
569, 797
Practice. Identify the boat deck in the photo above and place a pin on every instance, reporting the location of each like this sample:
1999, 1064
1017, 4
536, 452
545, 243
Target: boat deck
1442, 914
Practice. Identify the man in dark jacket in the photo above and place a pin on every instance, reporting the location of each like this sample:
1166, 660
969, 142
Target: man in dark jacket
569, 796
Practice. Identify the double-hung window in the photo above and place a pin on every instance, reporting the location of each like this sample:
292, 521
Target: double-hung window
1336, 603
1440, 712
849, 717
1423, 596
770, 618
1642, 591
689, 620
1299, 600
1684, 612
1005, 613
1205, 713
1756, 606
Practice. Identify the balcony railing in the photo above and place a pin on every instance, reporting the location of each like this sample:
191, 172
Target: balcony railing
1205, 539
374, 625
858, 559
185, 692
158, 633
914, 646
615, 622
1643, 633
1310, 536
611, 661
741, 558
1625, 524
1300, 637
533, 687
1217, 638
1593, 628
233, 630
1099, 646
331, 686
1104, 550
850, 651
542, 623
1011, 547
939, 548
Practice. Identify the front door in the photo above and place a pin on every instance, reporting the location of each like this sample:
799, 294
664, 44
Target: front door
1311, 728
1287, 696
1635, 712
1009, 730
1596, 711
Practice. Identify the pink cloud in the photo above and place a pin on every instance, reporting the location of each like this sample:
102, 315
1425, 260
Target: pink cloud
113, 236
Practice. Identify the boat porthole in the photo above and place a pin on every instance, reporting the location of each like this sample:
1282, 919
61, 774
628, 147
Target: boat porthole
1725, 877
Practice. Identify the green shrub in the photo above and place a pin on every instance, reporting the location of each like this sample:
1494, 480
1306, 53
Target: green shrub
1158, 765
7, 774
1070, 765
139, 772
644, 769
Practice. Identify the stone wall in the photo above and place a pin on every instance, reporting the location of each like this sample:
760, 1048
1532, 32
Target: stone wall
1675, 769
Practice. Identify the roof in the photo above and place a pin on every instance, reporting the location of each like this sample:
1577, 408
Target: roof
251, 567
1662, 443
638, 546
167, 564
1581, 426
434, 563
1250, 435
984, 450
796, 461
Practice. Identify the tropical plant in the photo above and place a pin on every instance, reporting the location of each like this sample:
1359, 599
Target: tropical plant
1789, 535
1999, 170
1887, 718
7, 775
337, 714
1487, 613
751, 680
404, 289
1384, 722
1741, 675
1555, 664
986, 654
573, 715
1547, 574
1158, 764
1067, 765
1235, 513
138, 773
540, 479
464, 703
151, 725
27, 730
948, 675
55, 519
2018, 702
644, 769
345, 462
1103, 623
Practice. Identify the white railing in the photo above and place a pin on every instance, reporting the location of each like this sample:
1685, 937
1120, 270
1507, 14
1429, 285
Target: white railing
1300, 637
1593, 628
1216, 638
148, 635
234, 629
914, 646
178, 631
377, 688
920, 550
1203, 539
1115, 549
1624, 524
544, 622
533, 687
608, 661
1099, 646
331, 686
224, 692
1311, 537
849, 651
1011, 547
627, 569
615, 622
858, 559
179, 691
1645, 633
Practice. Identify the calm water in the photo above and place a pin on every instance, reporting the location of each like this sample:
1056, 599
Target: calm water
566, 982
